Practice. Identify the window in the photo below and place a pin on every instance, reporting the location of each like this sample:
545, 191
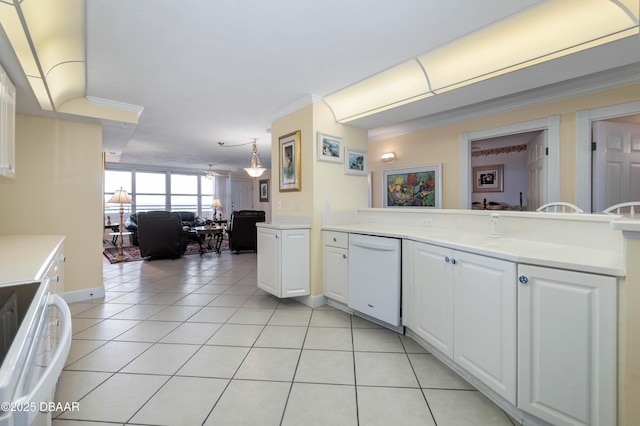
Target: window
184, 193
152, 190
115, 180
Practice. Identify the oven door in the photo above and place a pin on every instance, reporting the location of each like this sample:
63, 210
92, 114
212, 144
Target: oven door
42, 367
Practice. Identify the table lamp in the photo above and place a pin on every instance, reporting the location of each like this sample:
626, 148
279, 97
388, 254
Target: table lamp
121, 197
216, 204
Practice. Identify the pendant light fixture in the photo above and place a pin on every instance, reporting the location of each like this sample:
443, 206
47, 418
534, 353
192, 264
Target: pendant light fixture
256, 168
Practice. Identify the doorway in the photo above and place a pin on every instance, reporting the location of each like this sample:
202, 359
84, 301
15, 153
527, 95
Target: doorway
520, 159
546, 173
241, 194
615, 161
590, 175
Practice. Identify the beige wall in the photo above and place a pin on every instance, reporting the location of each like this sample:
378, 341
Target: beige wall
58, 190
442, 144
323, 183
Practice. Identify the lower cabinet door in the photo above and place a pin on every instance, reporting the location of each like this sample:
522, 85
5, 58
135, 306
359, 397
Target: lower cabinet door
485, 320
269, 261
433, 296
335, 273
567, 346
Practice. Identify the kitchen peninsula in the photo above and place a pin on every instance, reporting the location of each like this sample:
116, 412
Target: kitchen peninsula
528, 307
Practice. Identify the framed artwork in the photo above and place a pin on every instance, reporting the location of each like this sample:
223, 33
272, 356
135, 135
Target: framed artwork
264, 190
329, 148
290, 162
355, 162
488, 178
419, 187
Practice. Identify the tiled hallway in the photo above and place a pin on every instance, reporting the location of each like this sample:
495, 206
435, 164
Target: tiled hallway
193, 341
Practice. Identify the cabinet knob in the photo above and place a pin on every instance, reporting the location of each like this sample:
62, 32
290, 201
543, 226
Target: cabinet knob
523, 279
335, 239
344, 256
453, 261
446, 259
276, 237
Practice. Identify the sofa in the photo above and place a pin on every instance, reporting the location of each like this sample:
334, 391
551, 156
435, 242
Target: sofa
187, 219
161, 234
242, 230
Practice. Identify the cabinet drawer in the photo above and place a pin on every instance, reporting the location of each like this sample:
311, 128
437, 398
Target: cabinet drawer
335, 239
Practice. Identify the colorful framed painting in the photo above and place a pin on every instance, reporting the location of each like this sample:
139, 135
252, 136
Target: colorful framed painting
329, 148
263, 185
488, 178
417, 187
355, 162
290, 172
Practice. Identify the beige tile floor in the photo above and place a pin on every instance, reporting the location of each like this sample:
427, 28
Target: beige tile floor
193, 341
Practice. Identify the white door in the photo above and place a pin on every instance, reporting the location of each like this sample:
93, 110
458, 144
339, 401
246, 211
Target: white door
485, 320
433, 296
567, 346
536, 172
241, 195
616, 164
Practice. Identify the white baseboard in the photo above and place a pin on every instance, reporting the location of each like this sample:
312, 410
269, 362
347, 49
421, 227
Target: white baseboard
312, 301
83, 295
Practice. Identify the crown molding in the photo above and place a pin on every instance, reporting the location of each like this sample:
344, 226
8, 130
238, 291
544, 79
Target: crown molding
294, 106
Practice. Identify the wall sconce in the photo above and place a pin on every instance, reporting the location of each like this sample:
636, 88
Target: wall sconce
388, 157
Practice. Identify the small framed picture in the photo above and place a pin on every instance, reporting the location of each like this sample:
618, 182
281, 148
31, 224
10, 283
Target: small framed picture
488, 178
355, 162
264, 190
329, 148
290, 172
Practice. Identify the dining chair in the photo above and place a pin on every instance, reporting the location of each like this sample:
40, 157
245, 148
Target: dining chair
621, 208
559, 207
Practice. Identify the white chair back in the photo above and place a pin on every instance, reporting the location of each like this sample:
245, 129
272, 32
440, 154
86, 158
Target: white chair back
622, 208
559, 207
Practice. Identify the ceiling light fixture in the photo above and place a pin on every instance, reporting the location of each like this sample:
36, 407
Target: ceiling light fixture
256, 169
542, 33
48, 38
210, 173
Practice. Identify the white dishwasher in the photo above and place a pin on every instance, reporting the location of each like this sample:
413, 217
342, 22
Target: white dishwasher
374, 279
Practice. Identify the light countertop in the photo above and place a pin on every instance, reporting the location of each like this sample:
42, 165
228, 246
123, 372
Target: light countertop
592, 260
24, 257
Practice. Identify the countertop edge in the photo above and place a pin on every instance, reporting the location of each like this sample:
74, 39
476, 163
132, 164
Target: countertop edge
510, 249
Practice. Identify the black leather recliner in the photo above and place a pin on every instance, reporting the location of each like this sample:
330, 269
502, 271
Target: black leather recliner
242, 229
161, 234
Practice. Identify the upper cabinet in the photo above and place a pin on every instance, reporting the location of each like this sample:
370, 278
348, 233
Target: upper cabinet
7, 127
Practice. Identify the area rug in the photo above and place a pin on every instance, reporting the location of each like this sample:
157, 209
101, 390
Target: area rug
132, 253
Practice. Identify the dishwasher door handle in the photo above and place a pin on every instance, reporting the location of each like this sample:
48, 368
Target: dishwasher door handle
374, 246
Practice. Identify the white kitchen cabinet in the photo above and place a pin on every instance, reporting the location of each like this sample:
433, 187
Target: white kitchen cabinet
465, 306
7, 126
335, 265
567, 346
283, 260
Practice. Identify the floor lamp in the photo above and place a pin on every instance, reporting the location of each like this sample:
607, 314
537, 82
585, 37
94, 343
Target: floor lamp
121, 197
